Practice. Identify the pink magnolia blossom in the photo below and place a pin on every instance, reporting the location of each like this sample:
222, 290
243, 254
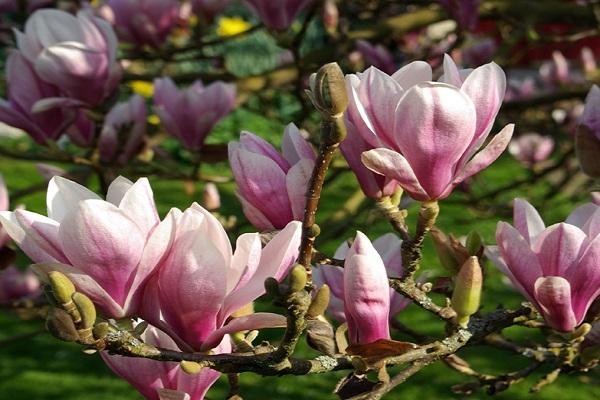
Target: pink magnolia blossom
556, 267
591, 113
366, 293
124, 131
272, 186
209, 8
531, 148
77, 54
4, 206
151, 378
26, 92
425, 133
557, 70
377, 56
201, 282
107, 248
142, 22
16, 284
277, 15
388, 247
588, 61
190, 114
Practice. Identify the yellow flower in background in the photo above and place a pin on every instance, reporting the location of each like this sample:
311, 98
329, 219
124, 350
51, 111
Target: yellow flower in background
95, 3
229, 26
143, 88
153, 119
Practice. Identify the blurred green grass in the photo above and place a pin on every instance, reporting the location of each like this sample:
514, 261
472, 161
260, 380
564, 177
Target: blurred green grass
43, 368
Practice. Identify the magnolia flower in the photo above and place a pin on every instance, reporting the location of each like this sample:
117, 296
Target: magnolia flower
389, 249
142, 21
591, 112
425, 133
4, 206
272, 187
16, 285
277, 15
201, 282
377, 56
531, 148
77, 54
190, 114
124, 131
107, 248
366, 293
151, 378
26, 91
556, 267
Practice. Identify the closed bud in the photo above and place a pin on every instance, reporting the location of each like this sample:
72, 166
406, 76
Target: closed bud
86, 309
190, 367
467, 291
62, 287
445, 251
474, 244
210, 197
272, 287
320, 302
587, 148
61, 326
320, 336
328, 90
298, 278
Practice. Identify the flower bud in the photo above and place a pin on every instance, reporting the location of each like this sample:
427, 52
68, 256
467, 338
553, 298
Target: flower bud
445, 251
331, 16
474, 243
467, 291
101, 330
190, 367
328, 90
62, 287
86, 309
587, 147
320, 336
61, 326
210, 197
320, 302
298, 278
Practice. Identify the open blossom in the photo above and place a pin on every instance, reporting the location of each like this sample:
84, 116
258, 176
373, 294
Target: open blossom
425, 133
277, 14
16, 284
531, 148
26, 91
151, 378
124, 131
77, 54
201, 282
555, 267
107, 248
272, 186
389, 248
190, 114
142, 22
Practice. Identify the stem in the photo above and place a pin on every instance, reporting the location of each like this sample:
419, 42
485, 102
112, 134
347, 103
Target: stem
411, 249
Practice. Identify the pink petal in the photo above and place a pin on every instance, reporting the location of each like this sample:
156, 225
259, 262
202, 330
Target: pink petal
43, 231
254, 215
451, 75
559, 247
212, 228
553, 294
63, 197
297, 180
246, 259
394, 166
527, 220
256, 144
295, 147
27, 243
412, 74
138, 204
249, 322
117, 189
584, 278
581, 215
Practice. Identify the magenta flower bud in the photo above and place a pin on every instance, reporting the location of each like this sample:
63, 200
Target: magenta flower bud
190, 114
588, 61
556, 267
271, 186
142, 22
465, 12
425, 134
366, 293
151, 377
17, 285
377, 55
531, 148
372, 184
277, 15
209, 8
77, 54
124, 131
26, 92
331, 15
591, 113
107, 248
201, 282
388, 247
556, 71
210, 197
